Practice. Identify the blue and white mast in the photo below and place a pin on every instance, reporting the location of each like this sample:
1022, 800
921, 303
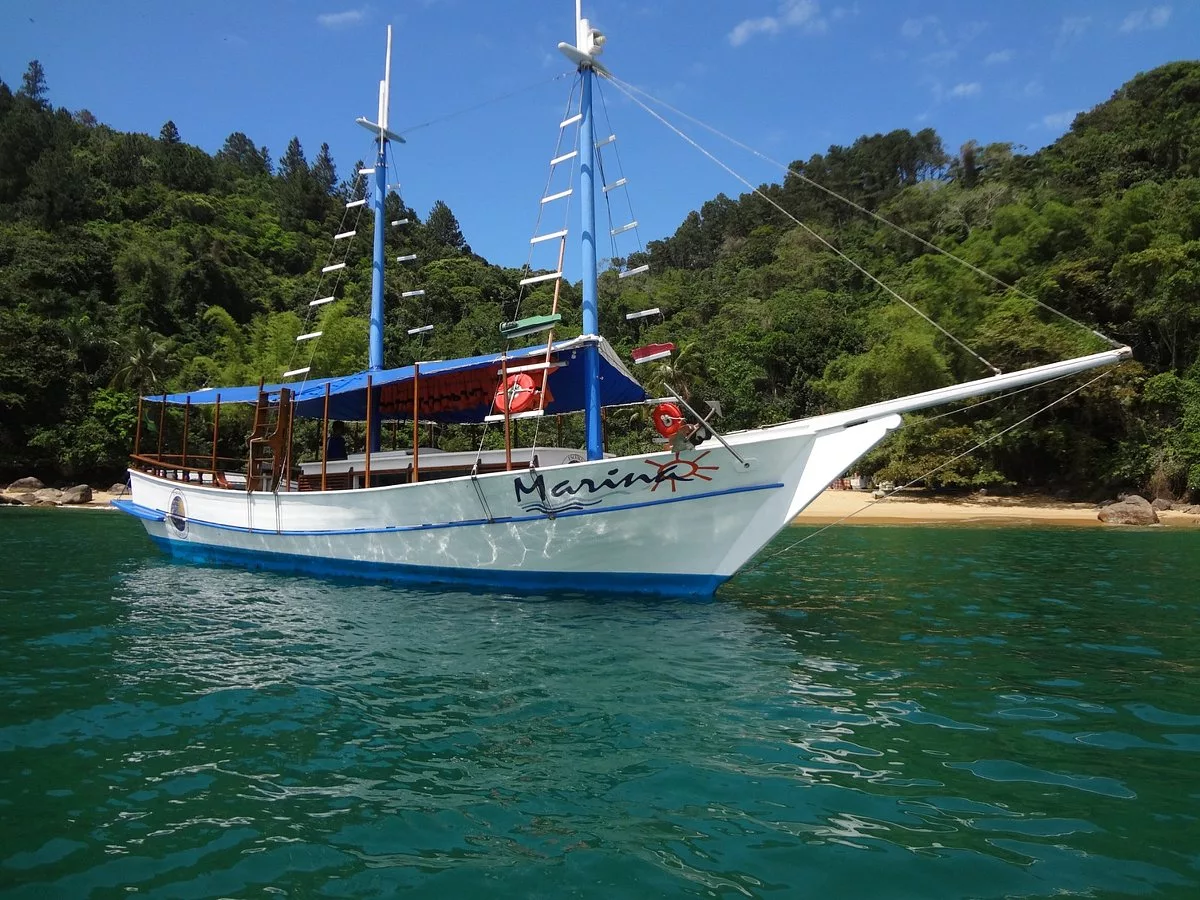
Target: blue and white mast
588, 44
380, 128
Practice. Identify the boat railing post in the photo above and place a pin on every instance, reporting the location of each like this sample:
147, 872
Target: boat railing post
507, 414
137, 435
325, 437
187, 415
367, 464
162, 424
416, 465
287, 456
216, 434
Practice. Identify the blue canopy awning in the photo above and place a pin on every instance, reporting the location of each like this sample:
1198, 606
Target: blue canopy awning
453, 390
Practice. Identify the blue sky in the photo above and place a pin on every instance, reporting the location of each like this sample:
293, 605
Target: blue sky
788, 77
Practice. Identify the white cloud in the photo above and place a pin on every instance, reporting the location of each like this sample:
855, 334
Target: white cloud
914, 28
1145, 19
940, 58
1000, 56
966, 89
1073, 27
803, 14
971, 30
341, 19
1059, 121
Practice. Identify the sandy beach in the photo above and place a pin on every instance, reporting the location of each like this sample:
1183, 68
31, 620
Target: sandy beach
917, 508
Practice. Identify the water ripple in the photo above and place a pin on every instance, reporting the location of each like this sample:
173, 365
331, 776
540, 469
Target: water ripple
919, 695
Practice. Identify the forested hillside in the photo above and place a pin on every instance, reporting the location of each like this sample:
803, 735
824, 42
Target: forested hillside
132, 264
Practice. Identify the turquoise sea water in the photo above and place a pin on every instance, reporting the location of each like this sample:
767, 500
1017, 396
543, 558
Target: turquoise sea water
882, 712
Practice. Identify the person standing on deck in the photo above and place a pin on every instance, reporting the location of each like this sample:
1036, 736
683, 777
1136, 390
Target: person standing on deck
335, 446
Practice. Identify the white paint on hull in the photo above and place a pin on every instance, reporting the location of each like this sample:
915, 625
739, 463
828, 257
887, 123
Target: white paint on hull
696, 514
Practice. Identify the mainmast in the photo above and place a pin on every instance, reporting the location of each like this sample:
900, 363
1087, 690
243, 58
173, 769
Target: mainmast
380, 128
588, 44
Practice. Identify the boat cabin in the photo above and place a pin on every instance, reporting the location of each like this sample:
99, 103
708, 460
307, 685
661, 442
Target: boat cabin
497, 389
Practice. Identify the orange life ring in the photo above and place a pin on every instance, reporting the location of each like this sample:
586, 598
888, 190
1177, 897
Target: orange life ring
519, 396
667, 419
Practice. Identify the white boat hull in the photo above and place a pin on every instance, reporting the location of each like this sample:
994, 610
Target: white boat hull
663, 523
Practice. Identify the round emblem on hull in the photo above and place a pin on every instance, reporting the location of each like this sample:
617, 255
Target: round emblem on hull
177, 515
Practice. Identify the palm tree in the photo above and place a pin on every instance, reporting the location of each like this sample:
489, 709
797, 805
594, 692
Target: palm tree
683, 372
144, 361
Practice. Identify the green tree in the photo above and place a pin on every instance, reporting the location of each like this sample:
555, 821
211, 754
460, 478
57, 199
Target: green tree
239, 153
444, 230
142, 362
33, 84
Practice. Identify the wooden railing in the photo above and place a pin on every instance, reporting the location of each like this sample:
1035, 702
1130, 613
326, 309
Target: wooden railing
174, 467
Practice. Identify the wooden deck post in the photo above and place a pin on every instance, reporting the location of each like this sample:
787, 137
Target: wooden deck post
287, 457
137, 435
216, 433
367, 473
162, 424
416, 473
507, 416
187, 415
325, 437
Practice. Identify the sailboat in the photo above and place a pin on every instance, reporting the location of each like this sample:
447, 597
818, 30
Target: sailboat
678, 520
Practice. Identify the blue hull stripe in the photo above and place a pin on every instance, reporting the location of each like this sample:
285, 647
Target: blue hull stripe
142, 511
138, 511
503, 579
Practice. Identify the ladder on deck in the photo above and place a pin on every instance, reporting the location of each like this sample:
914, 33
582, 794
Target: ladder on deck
270, 442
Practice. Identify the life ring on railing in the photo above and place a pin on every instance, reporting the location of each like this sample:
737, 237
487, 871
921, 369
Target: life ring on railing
516, 395
667, 419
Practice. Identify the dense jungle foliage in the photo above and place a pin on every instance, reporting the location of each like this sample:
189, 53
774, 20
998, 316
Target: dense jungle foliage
132, 264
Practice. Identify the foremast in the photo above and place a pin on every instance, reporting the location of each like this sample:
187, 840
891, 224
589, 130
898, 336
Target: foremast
588, 44
379, 194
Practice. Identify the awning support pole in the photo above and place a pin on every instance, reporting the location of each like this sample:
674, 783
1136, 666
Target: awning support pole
216, 433
187, 415
162, 424
507, 414
325, 437
367, 473
416, 467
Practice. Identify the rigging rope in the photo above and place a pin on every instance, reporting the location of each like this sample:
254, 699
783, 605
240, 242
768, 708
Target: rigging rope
616, 147
480, 105
537, 223
816, 236
337, 281
936, 468
874, 215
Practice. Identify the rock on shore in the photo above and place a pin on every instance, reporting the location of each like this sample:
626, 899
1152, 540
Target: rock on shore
79, 495
26, 484
1132, 510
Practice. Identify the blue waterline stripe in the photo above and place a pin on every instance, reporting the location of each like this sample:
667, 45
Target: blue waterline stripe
143, 512
665, 585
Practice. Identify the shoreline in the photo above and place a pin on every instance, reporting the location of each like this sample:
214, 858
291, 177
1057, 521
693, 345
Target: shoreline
917, 508
913, 508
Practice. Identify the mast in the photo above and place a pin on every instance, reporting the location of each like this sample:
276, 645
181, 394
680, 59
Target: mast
588, 44
379, 194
